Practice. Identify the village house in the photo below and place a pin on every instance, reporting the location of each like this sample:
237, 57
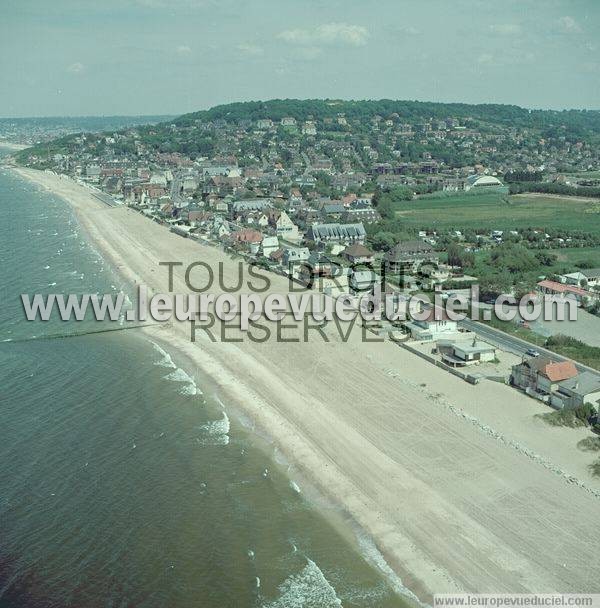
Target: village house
277, 256
269, 245
295, 255
579, 390
592, 277
254, 218
433, 274
199, 217
364, 280
336, 284
92, 173
224, 185
358, 254
316, 266
309, 128
336, 233
258, 204
408, 256
158, 179
553, 288
573, 278
541, 374
211, 171
247, 238
556, 382
284, 227
264, 123
462, 353
432, 324
333, 211
220, 228
361, 213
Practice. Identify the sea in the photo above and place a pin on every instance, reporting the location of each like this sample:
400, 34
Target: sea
125, 480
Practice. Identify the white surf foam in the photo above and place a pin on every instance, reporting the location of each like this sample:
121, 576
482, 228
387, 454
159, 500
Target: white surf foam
180, 375
215, 432
307, 589
189, 389
166, 360
375, 557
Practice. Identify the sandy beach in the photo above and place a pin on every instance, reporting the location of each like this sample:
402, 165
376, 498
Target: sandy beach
8, 145
460, 486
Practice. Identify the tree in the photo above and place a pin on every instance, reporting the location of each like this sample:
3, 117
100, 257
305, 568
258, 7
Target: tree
382, 241
386, 208
512, 258
454, 254
545, 258
457, 256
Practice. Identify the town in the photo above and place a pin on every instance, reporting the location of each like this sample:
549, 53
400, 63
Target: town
442, 197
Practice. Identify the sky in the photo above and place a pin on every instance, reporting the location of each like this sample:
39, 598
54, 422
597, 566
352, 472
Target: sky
133, 57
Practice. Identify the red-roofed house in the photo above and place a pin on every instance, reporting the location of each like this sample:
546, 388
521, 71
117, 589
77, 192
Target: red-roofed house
248, 238
561, 289
541, 374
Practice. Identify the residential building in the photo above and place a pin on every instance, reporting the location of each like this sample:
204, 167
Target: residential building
541, 374
578, 390
580, 295
269, 244
336, 233
364, 280
433, 324
462, 353
358, 254
408, 256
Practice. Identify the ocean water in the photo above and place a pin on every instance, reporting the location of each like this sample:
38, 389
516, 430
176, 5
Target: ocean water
123, 480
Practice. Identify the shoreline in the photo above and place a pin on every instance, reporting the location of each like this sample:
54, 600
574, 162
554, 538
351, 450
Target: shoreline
331, 511
335, 512
9, 145
350, 454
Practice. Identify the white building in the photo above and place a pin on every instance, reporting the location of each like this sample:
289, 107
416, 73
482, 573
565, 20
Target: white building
269, 245
483, 182
431, 325
472, 352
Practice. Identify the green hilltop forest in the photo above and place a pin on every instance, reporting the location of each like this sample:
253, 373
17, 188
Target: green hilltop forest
198, 133
579, 123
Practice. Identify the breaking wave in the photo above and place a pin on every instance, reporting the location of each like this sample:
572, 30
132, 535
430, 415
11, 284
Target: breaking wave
166, 360
215, 432
307, 589
177, 375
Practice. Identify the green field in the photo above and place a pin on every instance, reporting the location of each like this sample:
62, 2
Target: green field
492, 211
590, 255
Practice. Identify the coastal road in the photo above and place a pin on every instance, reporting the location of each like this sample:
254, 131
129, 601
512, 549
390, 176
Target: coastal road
515, 345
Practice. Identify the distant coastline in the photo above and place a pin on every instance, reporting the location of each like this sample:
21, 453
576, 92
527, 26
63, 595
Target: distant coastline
9, 145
